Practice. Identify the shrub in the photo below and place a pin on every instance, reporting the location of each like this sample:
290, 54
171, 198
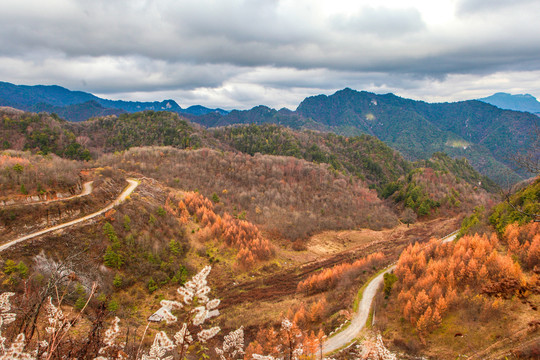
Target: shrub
161, 212
118, 280
174, 247
10, 267
79, 304
112, 258
152, 285
112, 306
389, 280
127, 222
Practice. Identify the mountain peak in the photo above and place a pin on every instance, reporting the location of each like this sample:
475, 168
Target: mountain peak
64, 101
518, 102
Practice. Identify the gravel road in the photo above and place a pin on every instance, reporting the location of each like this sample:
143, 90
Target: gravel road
127, 191
360, 317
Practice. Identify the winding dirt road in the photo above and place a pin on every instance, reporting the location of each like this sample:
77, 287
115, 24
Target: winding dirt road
127, 191
87, 190
359, 320
360, 317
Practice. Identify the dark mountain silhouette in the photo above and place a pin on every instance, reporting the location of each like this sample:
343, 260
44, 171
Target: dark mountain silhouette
53, 98
77, 112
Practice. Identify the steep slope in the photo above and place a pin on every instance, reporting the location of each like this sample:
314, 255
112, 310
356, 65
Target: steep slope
258, 115
49, 134
460, 168
18, 175
476, 296
201, 206
148, 128
363, 156
441, 185
39, 133
501, 132
26, 96
485, 135
482, 133
289, 198
521, 207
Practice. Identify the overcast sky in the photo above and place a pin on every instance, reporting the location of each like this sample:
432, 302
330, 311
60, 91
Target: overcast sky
242, 53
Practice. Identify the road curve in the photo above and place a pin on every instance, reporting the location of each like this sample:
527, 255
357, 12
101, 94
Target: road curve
87, 190
360, 317
127, 191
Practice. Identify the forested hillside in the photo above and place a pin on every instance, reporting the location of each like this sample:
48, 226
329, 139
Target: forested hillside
258, 115
444, 292
22, 173
76, 112
296, 221
199, 180
39, 133
521, 207
363, 156
287, 197
428, 191
485, 135
149, 128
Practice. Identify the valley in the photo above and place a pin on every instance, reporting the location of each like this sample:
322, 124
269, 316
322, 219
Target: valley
475, 129
269, 180
293, 223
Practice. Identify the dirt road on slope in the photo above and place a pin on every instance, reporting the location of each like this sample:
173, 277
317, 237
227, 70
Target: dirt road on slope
360, 317
121, 198
86, 190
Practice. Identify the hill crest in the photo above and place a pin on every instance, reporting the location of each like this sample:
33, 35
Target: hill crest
67, 102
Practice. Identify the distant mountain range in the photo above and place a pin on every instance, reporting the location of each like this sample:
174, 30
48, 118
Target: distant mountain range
79, 105
520, 102
484, 134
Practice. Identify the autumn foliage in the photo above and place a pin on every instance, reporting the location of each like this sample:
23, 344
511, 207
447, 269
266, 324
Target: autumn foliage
39, 174
301, 335
524, 242
309, 315
238, 234
285, 197
436, 277
289, 340
329, 278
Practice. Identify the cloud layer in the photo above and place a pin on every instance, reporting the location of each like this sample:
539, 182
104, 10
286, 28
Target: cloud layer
240, 53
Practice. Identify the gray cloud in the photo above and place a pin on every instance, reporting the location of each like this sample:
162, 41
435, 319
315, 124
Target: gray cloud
109, 74
381, 22
240, 50
482, 6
